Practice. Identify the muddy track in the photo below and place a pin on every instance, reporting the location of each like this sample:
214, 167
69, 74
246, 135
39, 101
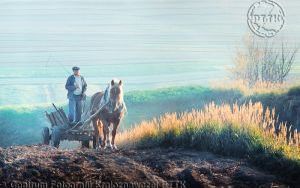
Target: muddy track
161, 167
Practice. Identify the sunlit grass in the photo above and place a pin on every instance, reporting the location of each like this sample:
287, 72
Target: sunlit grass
241, 131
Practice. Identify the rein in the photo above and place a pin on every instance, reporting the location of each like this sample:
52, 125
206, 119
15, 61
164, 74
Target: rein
86, 122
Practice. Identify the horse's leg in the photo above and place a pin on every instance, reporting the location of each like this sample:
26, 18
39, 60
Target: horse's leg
113, 133
105, 133
100, 128
108, 143
96, 134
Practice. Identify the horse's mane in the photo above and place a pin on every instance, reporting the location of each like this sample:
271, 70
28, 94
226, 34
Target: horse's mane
106, 96
117, 81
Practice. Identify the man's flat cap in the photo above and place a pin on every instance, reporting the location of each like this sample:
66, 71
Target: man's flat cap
75, 68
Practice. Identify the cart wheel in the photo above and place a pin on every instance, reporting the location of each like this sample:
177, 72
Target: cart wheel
55, 137
85, 144
46, 136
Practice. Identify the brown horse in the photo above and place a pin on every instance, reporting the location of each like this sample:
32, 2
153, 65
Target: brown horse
109, 115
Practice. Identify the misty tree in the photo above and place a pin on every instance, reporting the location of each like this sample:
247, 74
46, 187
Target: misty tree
263, 62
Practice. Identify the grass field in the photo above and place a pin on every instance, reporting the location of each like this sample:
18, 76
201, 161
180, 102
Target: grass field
21, 125
248, 131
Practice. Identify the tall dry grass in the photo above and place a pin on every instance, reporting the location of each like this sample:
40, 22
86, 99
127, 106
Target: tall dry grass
244, 130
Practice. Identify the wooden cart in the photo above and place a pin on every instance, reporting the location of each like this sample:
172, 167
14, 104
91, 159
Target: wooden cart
62, 129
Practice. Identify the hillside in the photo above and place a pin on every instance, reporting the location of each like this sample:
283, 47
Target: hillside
21, 125
207, 123
192, 168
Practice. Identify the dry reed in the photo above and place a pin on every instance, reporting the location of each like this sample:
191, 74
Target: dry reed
240, 129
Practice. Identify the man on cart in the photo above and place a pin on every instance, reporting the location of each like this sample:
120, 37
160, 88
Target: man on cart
76, 87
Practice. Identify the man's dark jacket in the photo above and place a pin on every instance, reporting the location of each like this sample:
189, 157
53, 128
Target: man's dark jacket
71, 87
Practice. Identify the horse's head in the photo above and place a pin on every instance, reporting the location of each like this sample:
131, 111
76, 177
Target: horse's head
116, 92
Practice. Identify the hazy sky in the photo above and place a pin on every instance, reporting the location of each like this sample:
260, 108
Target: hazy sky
148, 43
96, 32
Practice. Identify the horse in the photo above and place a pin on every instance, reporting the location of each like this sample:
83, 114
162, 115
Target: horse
109, 114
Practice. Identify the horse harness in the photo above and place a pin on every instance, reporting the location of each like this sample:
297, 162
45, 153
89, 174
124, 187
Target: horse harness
111, 112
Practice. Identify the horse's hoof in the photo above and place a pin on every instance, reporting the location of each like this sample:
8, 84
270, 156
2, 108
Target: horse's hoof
114, 147
100, 147
109, 146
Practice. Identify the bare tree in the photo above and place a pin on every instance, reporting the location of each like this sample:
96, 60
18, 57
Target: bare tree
263, 62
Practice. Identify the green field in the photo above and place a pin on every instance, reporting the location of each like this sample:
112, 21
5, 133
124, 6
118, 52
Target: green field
23, 124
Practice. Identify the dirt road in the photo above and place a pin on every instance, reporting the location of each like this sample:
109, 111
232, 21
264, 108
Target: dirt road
159, 167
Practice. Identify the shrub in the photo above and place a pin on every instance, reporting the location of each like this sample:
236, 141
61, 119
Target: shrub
263, 62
